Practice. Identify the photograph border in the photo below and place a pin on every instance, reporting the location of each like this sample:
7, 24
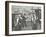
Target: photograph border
7, 17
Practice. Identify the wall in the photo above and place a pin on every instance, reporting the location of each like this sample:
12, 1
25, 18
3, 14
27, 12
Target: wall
2, 18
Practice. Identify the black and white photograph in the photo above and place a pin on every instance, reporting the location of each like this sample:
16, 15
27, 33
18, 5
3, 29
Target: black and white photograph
25, 18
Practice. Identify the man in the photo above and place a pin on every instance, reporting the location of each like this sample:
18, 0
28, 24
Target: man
24, 20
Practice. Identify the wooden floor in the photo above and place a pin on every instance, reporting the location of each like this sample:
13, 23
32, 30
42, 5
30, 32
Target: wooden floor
30, 26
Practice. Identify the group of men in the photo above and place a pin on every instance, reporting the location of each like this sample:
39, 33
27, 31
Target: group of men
35, 21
